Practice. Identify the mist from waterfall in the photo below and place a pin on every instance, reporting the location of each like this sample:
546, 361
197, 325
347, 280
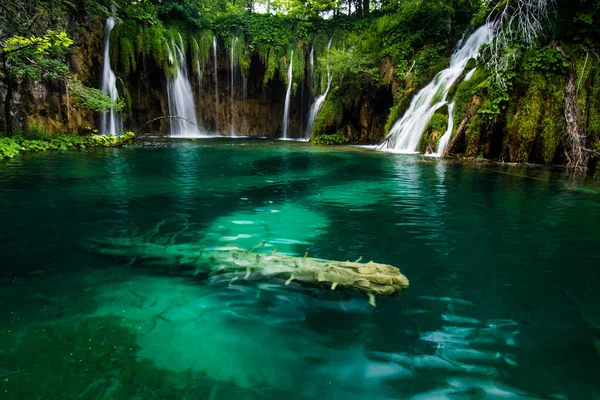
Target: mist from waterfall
110, 121
406, 133
288, 95
318, 103
179, 93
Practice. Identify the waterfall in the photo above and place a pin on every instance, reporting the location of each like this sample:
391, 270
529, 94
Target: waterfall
312, 64
110, 121
216, 85
288, 95
199, 75
316, 106
407, 131
232, 85
179, 93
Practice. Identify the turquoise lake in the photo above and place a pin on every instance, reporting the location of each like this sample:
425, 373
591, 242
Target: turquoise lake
503, 263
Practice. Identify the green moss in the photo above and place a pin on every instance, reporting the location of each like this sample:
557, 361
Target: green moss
553, 121
330, 114
437, 124
271, 65
465, 92
473, 135
399, 108
535, 117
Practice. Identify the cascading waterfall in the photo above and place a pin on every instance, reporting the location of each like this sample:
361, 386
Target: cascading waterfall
199, 75
232, 85
216, 85
110, 121
312, 63
407, 132
179, 92
318, 103
288, 95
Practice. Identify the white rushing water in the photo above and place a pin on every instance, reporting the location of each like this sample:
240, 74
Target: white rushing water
199, 76
110, 121
288, 95
318, 103
406, 133
216, 85
181, 100
233, 64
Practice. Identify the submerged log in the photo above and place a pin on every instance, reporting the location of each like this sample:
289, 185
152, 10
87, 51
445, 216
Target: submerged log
370, 278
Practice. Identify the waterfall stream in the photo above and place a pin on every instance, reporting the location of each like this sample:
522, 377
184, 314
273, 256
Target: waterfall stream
318, 103
288, 95
406, 133
179, 92
216, 85
233, 64
110, 121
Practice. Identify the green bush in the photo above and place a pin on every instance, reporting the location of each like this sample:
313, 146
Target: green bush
10, 147
336, 138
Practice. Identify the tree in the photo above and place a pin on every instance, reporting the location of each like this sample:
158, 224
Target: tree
31, 50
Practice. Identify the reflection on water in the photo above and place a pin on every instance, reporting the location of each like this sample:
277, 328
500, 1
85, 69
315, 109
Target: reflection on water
503, 300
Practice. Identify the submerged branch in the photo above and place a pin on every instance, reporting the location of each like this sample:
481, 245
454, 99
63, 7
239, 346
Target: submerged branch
169, 117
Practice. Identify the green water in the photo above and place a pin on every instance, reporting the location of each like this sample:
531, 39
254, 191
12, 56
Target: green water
503, 266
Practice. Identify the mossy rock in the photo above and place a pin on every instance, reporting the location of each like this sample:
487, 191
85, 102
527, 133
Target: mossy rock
330, 114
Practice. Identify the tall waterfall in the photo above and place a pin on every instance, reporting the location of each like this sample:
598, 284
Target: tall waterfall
199, 76
318, 103
179, 92
288, 95
233, 64
216, 85
110, 121
407, 131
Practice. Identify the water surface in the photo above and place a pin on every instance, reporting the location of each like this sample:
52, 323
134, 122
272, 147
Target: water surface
502, 263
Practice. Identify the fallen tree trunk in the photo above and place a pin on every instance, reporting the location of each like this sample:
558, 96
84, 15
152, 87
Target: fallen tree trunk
370, 278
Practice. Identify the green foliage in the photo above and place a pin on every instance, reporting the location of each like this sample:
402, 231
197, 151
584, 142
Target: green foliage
35, 57
37, 141
352, 72
92, 99
9, 148
330, 114
333, 139
547, 59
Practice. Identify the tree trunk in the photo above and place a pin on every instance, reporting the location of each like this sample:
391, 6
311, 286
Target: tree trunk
365, 7
575, 132
475, 101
